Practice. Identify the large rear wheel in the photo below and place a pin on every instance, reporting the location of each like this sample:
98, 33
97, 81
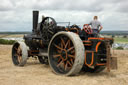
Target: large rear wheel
66, 53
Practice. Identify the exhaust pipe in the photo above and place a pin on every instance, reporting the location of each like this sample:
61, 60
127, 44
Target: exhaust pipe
35, 20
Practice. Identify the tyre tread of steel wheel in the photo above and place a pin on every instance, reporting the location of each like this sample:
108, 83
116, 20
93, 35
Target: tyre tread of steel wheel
79, 53
24, 53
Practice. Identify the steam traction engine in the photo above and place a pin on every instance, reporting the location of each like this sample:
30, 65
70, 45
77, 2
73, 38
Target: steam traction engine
67, 49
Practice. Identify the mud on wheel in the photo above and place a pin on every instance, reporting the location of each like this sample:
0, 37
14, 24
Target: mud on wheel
19, 54
66, 53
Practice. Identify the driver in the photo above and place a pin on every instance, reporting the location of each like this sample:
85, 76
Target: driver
96, 25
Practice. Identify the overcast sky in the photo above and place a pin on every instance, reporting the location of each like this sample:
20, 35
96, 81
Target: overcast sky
16, 15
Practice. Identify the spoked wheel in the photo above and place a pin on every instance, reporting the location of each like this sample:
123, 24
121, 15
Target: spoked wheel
47, 28
66, 53
19, 54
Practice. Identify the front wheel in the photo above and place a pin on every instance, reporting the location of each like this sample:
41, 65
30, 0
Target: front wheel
19, 54
66, 53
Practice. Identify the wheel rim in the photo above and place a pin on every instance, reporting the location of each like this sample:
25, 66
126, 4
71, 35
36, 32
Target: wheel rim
18, 53
63, 54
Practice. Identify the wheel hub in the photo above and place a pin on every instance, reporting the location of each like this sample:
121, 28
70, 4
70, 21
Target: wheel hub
64, 54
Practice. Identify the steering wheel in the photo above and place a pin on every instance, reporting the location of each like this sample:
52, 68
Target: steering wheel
87, 28
47, 26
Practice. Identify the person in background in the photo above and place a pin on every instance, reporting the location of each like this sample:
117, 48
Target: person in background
96, 25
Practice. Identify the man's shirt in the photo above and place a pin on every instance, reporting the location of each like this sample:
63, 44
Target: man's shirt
95, 24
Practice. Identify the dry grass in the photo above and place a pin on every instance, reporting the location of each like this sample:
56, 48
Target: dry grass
34, 73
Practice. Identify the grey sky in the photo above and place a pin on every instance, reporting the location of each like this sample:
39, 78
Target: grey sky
16, 15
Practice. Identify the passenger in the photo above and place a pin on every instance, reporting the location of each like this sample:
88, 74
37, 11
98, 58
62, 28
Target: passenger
95, 25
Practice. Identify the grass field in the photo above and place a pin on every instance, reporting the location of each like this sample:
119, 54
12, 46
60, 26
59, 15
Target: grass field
11, 35
121, 40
